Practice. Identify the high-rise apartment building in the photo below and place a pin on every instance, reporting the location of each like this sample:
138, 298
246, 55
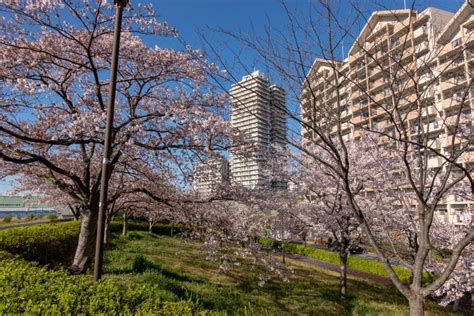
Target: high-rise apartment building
210, 174
396, 55
258, 112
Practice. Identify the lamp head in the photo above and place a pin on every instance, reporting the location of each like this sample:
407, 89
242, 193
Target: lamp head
122, 3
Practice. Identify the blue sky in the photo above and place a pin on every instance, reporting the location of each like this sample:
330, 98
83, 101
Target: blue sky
191, 17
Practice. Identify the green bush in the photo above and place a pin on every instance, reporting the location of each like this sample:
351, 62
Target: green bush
140, 264
26, 288
52, 217
7, 219
30, 217
353, 262
53, 243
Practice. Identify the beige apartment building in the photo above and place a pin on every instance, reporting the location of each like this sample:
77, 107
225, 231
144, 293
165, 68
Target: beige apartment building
400, 58
210, 174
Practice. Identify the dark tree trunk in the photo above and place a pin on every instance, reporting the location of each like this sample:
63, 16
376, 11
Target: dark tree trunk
417, 304
283, 252
125, 225
86, 241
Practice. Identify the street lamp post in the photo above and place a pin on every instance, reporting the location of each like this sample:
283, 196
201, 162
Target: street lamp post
99, 247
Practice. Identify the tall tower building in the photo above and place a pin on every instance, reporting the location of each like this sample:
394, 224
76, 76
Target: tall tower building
258, 112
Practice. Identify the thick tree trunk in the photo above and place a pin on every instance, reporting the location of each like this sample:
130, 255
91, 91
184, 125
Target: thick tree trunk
417, 304
343, 273
85, 243
125, 225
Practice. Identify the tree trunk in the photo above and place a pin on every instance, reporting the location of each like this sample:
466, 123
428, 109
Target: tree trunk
150, 226
417, 304
86, 241
125, 225
283, 252
343, 273
107, 230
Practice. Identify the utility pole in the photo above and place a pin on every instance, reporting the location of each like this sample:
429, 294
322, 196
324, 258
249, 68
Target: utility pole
99, 246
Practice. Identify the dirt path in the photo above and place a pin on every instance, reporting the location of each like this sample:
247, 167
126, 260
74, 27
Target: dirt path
334, 267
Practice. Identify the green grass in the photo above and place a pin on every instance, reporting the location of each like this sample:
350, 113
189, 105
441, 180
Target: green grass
177, 269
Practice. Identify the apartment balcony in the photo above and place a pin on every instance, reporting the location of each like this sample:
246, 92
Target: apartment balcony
435, 162
430, 110
421, 48
426, 79
467, 157
427, 93
453, 102
469, 38
453, 83
433, 127
346, 137
448, 141
345, 126
376, 85
419, 32
346, 113
381, 96
453, 65
359, 119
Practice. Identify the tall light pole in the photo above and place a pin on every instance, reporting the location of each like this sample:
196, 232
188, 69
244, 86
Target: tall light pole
99, 246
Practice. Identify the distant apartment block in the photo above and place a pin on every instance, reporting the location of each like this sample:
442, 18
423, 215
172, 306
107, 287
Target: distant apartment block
210, 174
258, 112
395, 52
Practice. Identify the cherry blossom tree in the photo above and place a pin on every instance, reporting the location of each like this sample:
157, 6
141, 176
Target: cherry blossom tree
390, 173
326, 211
54, 58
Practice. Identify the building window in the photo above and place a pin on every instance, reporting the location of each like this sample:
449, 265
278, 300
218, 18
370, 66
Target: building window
457, 42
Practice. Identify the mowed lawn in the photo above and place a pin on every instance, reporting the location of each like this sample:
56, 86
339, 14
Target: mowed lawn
180, 269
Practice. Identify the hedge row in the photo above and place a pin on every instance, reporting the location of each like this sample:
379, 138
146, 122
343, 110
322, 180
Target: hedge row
26, 287
55, 243
52, 243
30, 289
353, 262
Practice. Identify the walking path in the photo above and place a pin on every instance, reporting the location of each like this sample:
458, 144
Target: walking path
334, 267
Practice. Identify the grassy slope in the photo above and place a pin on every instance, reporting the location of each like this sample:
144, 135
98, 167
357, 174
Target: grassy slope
180, 269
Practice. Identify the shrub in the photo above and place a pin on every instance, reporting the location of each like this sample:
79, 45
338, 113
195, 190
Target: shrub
353, 262
140, 264
268, 242
7, 219
46, 243
30, 217
52, 217
26, 288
